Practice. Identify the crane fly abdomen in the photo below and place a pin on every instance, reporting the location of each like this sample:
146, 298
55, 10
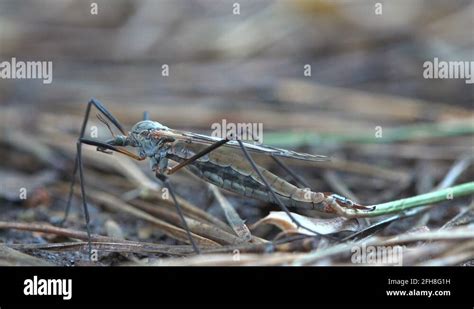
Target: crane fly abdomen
227, 169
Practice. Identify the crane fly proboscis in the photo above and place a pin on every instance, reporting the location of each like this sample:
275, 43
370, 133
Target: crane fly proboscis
214, 160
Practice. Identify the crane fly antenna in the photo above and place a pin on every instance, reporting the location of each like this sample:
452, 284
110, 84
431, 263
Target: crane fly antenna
101, 119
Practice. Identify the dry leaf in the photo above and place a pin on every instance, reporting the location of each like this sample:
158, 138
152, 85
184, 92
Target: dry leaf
237, 224
323, 226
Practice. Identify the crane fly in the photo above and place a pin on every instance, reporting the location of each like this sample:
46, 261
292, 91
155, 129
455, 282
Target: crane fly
214, 160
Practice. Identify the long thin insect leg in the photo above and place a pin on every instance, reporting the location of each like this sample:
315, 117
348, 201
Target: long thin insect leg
272, 192
106, 113
203, 152
78, 166
109, 116
298, 179
83, 192
163, 178
78, 161
71, 192
167, 183
111, 147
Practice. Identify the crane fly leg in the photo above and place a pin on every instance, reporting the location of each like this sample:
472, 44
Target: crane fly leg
200, 154
78, 164
167, 184
300, 181
111, 147
83, 193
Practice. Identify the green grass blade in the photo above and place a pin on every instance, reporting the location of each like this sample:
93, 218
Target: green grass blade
423, 199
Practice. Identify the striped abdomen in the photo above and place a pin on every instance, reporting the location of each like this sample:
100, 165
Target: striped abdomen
229, 170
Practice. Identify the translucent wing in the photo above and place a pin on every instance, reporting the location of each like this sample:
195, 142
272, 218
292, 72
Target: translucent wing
262, 149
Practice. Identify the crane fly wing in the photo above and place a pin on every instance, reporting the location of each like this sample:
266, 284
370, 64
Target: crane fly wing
262, 149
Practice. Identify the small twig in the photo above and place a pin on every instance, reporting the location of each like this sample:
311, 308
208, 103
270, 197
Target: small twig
129, 247
237, 224
12, 257
345, 248
98, 239
113, 203
462, 216
50, 229
196, 226
455, 171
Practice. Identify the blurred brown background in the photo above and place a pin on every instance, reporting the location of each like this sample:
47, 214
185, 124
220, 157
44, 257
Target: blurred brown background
243, 63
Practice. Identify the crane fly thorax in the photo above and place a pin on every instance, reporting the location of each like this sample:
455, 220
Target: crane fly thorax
152, 141
143, 135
